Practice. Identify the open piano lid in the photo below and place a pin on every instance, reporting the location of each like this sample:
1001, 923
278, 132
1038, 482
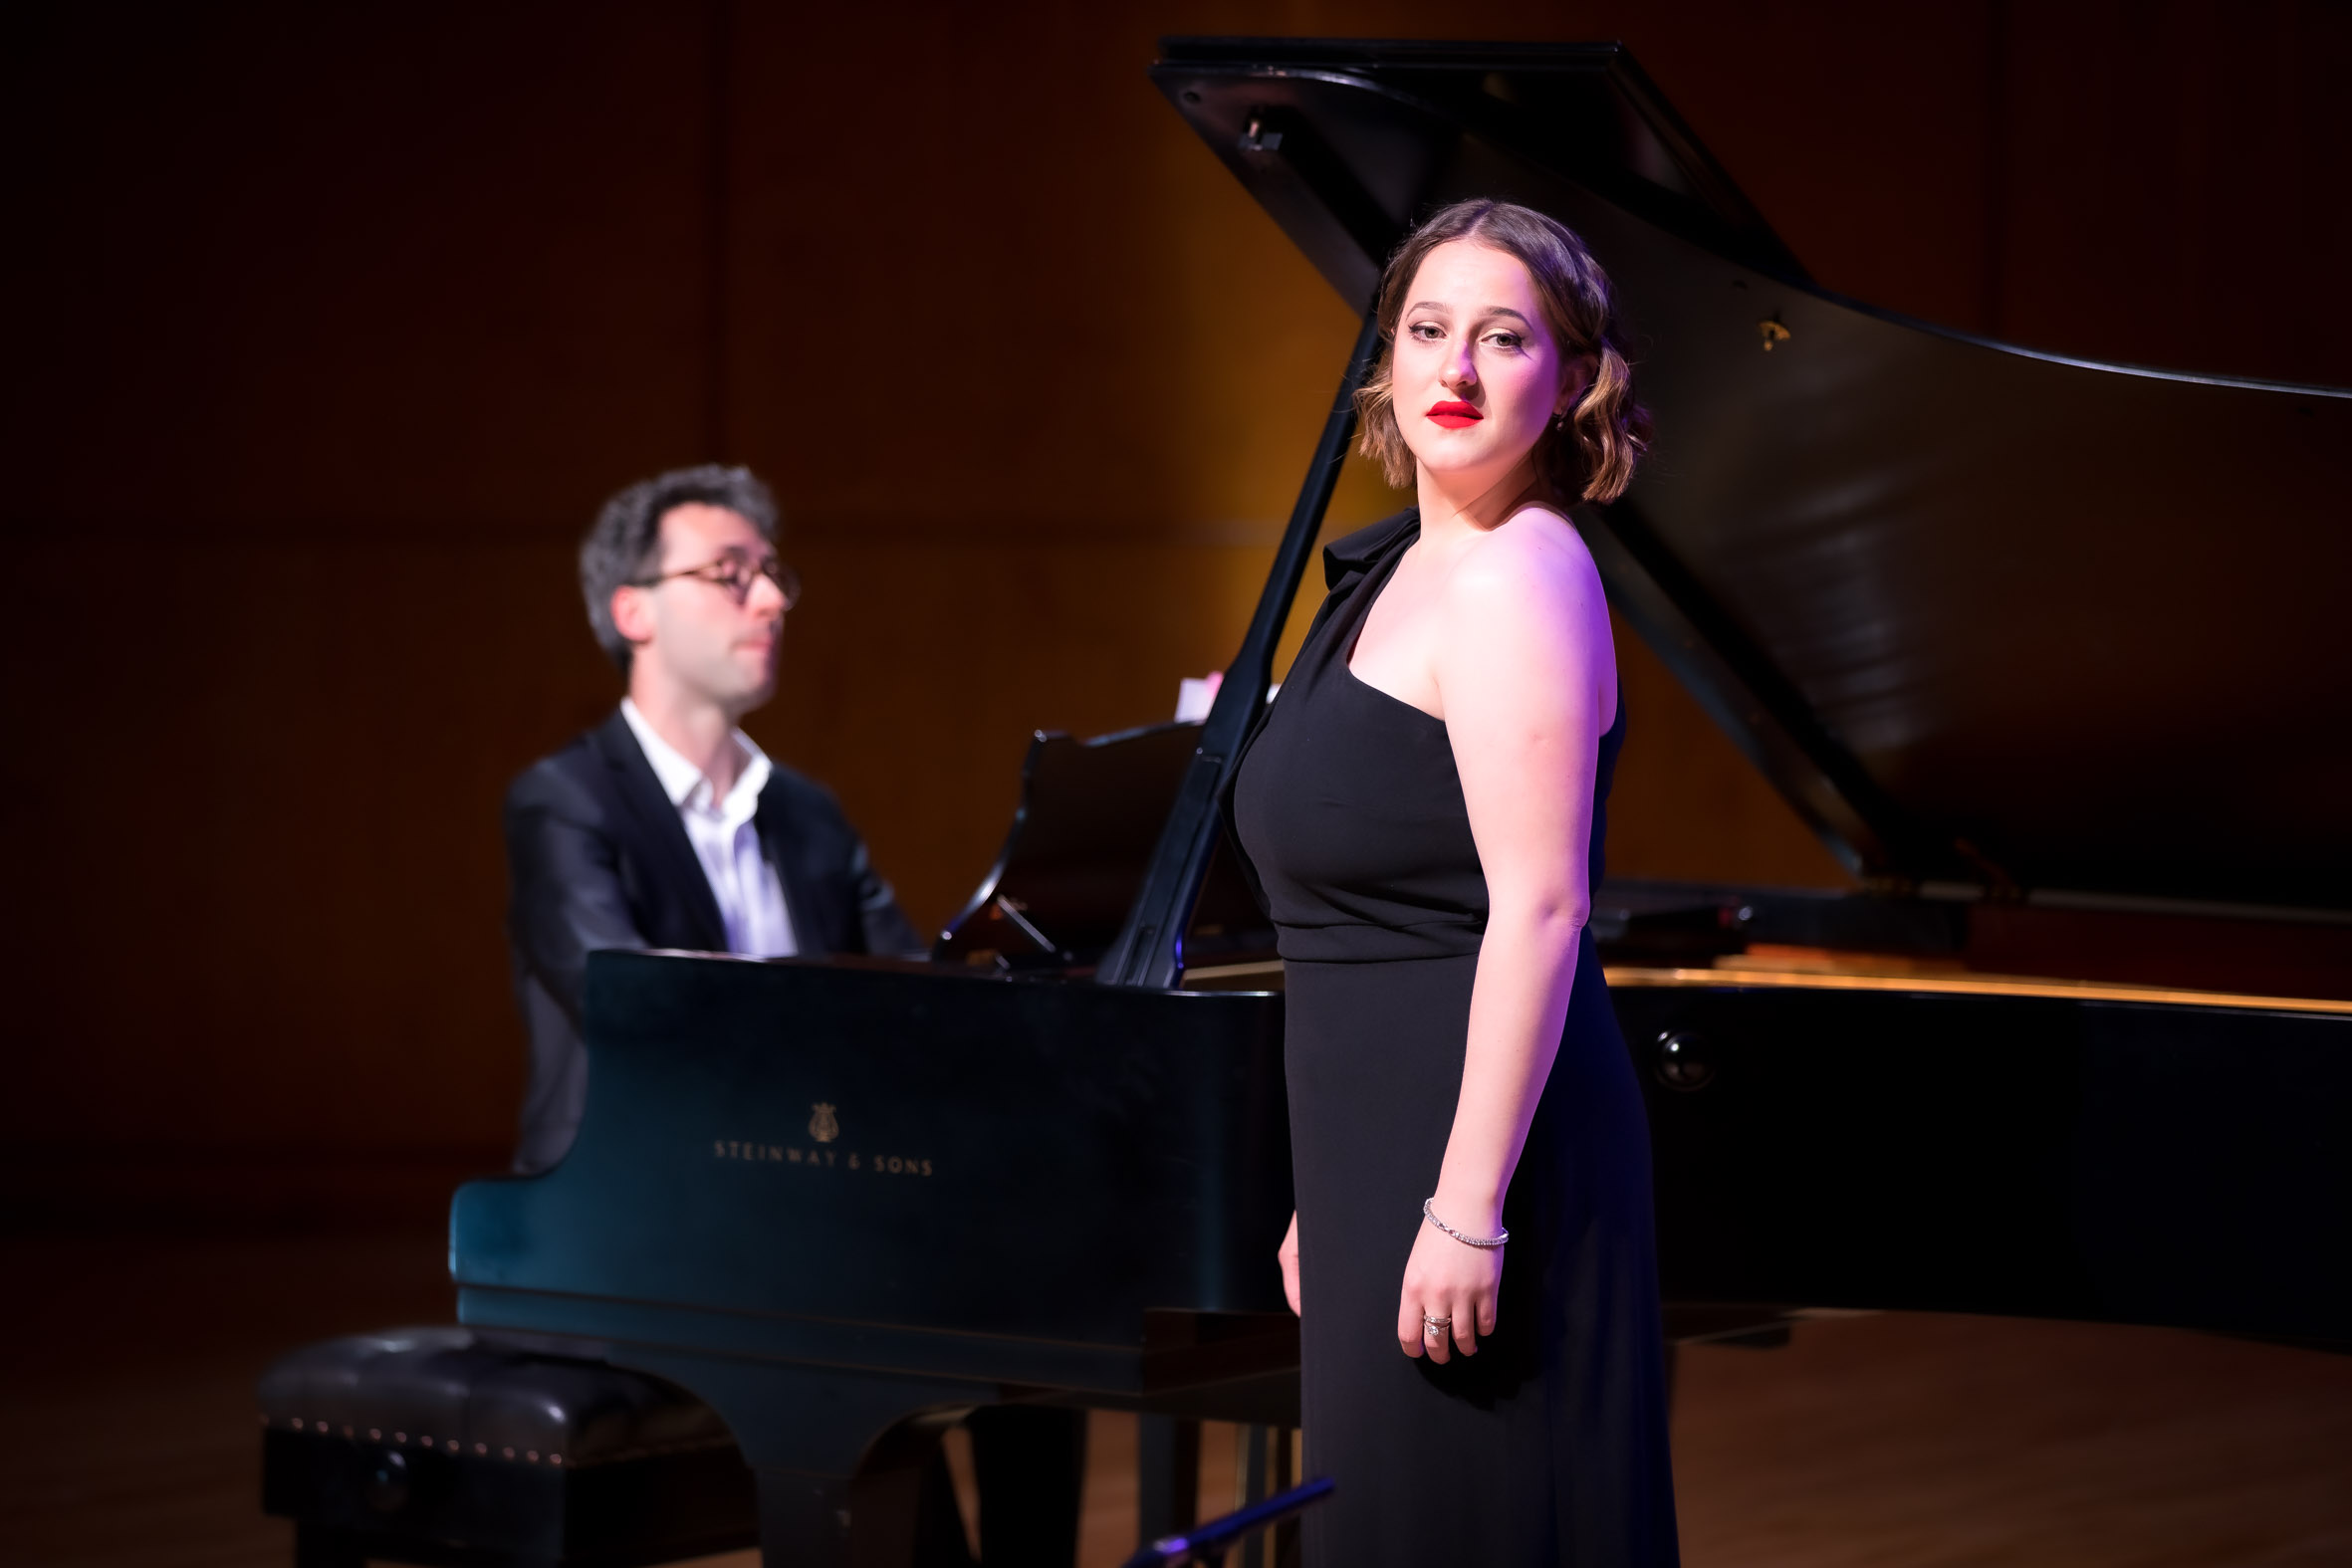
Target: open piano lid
1990, 619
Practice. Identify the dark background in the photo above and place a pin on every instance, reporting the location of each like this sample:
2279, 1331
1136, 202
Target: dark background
330, 326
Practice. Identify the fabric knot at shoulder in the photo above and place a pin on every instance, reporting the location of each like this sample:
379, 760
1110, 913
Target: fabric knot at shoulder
1352, 555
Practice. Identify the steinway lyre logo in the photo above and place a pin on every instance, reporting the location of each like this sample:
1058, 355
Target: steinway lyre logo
823, 1126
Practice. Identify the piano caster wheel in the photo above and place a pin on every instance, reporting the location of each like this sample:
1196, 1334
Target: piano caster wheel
1682, 1061
386, 1486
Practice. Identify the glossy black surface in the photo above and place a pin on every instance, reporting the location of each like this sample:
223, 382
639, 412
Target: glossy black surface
845, 1205
882, 1166
2038, 1157
1985, 615
1092, 813
1355, 138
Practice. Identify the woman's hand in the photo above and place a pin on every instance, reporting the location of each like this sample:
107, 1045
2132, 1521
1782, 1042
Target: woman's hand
1288, 1254
1446, 1278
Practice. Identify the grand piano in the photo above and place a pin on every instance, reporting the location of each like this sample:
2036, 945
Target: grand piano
2071, 700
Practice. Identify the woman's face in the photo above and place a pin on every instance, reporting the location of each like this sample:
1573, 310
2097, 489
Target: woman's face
1474, 371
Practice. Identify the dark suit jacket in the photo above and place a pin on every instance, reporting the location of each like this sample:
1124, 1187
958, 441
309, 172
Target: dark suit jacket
598, 858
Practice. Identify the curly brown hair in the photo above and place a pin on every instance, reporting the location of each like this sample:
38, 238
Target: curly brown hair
1589, 456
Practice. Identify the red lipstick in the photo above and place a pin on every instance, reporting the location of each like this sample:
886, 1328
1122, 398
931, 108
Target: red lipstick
1454, 416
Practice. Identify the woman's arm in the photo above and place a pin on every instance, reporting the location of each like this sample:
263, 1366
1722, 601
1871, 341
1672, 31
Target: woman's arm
1528, 676
1288, 1256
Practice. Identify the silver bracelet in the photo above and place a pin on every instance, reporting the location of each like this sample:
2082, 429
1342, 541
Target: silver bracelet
1466, 1241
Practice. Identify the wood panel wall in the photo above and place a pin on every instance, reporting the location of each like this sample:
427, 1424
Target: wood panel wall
329, 327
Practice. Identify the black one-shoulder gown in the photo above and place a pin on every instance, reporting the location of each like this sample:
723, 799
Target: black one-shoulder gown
1550, 1446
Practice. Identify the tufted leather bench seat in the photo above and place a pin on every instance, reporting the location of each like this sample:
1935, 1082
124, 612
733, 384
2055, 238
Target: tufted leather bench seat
435, 1446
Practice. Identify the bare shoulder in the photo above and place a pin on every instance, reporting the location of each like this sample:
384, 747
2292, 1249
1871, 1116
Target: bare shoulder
1535, 560
1526, 599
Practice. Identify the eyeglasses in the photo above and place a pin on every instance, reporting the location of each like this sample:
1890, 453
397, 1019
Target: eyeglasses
736, 577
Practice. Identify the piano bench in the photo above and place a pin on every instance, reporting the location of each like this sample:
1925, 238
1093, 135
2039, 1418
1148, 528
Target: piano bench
434, 1446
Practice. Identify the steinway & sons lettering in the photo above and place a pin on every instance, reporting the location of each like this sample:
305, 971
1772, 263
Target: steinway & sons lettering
825, 1125
834, 1159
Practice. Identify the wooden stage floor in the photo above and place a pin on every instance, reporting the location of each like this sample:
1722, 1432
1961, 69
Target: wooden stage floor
1890, 1441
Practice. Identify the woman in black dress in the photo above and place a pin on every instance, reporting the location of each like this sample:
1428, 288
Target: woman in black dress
1422, 809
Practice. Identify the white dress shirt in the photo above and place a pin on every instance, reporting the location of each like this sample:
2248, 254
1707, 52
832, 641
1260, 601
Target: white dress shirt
750, 894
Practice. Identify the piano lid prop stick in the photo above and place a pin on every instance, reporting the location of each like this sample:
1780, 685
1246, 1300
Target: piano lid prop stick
1149, 949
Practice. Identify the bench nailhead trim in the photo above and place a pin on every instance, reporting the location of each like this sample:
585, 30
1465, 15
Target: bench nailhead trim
453, 1445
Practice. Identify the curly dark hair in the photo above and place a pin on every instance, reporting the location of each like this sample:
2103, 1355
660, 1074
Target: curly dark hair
624, 542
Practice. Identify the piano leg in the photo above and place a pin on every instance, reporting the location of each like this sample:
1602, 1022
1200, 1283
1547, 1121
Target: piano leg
1169, 1490
848, 1463
903, 1503
1031, 1463
1253, 1460
895, 1516
1284, 1544
803, 1519
315, 1546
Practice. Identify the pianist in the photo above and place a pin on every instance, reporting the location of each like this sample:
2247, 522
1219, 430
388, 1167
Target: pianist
666, 827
